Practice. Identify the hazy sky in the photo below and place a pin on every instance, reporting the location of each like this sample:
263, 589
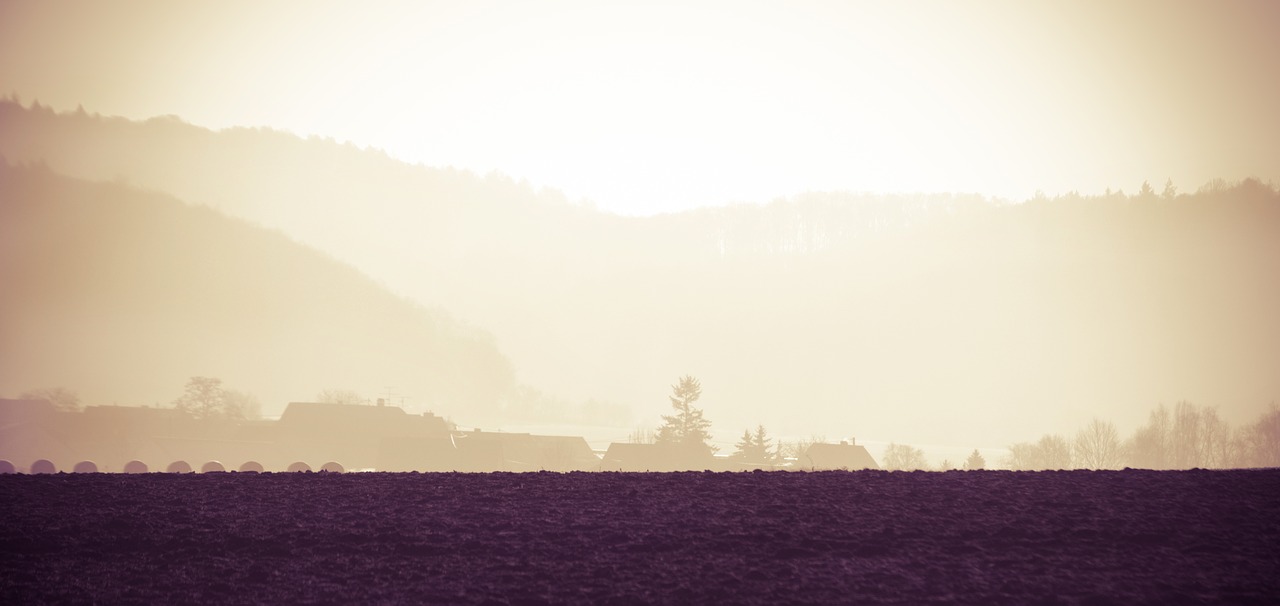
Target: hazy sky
652, 106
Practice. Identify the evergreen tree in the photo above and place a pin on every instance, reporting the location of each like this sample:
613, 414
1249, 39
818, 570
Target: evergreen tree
756, 448
975, 461
769, 454
686, 428
744, 450
1146, 191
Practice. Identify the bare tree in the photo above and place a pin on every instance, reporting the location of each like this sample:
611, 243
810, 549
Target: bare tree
1022, 456
902, 457
63, 399
642, 435
205, 398
1051, 452
796, 449
1149, 448
1219, 446
201, 398
339, 396
1185, 439
1264, 440
1055, 452
241, 405
1097, 446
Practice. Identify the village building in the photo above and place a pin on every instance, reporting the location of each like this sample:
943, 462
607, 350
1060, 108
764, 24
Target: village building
845, 455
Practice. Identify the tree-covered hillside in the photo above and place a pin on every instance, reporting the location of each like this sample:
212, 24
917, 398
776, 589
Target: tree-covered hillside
123, 295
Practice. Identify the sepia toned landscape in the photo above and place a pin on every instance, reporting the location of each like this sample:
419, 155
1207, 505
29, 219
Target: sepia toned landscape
639, 302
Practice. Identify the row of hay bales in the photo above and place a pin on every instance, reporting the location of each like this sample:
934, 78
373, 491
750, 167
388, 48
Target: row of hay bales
43, 466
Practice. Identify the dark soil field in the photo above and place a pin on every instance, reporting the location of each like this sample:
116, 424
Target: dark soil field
750, 538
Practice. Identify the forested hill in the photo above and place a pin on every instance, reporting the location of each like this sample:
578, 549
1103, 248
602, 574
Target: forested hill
925, 319
122, 295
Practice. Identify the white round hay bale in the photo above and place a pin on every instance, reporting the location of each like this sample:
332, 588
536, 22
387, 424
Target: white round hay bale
85, 467
6, 466
44, 466
299, 467
135, 466
332, 467
212, 467
178, 467
251, 467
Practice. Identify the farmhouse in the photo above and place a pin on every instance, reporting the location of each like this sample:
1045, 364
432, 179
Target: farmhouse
844, 455
655, 457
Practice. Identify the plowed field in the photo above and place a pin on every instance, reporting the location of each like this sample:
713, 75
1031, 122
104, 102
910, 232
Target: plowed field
752, 538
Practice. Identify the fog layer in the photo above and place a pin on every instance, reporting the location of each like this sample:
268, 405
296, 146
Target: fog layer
920, 319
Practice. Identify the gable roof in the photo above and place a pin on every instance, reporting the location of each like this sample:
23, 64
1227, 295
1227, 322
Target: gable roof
653, 457
357, 419
837, 456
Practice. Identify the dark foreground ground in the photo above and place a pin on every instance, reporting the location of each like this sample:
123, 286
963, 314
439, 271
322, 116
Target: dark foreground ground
763, 538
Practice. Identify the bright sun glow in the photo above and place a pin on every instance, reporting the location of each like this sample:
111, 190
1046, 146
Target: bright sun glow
649, 107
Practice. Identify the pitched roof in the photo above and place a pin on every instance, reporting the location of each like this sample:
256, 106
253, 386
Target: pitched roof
837, 456
358, 419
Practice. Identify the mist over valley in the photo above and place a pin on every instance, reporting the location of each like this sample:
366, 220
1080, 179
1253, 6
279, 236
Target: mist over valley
931, 319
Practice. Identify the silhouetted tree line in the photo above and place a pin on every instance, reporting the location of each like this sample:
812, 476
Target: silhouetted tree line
204, 398
1184, 437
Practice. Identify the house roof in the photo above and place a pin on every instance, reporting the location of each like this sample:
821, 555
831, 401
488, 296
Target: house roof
653, 457
24, 411
837, 456
357, 419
